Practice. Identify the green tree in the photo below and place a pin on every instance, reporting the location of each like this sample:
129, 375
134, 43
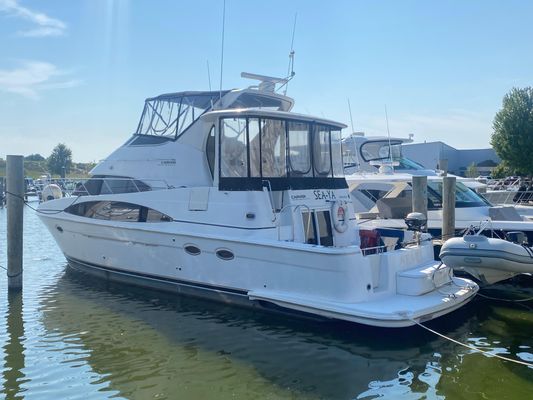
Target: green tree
61, 157
471, 171
513, 131
502, 170
34, 157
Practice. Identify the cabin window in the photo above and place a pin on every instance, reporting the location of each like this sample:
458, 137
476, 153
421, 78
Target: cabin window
234, 153
210, 150
299, 149
277, 153
254, 138
117, 211
321, 151
273, 159
336, 153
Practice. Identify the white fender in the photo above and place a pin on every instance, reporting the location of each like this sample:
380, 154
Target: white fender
51, 192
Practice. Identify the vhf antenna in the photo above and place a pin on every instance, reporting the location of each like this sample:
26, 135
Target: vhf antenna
222, 48
353, 131
388, 134
290, 68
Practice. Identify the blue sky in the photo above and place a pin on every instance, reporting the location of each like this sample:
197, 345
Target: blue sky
78, 71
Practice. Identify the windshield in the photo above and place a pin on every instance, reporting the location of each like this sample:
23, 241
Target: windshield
464, 197
380, 150
170, 115
407, 163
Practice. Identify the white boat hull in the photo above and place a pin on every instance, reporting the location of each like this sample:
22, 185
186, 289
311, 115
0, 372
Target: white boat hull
325, 282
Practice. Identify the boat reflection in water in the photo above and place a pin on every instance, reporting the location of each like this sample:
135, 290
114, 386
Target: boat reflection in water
142, 344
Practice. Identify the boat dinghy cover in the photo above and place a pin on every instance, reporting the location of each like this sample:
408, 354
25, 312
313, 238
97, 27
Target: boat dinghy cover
480, 252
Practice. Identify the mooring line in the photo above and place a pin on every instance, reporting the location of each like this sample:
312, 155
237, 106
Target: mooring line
49, 212
508, 300
468, 346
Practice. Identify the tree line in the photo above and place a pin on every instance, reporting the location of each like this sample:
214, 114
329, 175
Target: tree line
512, 138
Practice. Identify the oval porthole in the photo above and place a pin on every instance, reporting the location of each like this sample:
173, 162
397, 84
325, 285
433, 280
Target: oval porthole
192, 250
224, 254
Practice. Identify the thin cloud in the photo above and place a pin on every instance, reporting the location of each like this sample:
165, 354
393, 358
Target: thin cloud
45, 25
32, 77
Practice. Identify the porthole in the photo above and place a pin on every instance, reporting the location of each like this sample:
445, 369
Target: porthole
224, 254
192, 250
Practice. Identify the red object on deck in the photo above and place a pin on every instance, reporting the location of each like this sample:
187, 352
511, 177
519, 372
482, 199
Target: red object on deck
369, 238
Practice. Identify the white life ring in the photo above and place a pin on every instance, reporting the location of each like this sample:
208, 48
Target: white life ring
338, 214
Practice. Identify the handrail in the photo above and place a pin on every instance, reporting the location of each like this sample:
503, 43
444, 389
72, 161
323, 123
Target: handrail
296, 206
79, 187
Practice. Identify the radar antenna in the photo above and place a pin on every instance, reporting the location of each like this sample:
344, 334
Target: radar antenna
266, 83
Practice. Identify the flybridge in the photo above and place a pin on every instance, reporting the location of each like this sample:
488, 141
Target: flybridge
169, 115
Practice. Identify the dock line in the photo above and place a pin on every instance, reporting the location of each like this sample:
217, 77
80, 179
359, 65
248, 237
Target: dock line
37, 210
468, 346
508, 300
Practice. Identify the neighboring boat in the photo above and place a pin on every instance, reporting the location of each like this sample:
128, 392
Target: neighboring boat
383, 200
489, 260
228, 195
367, 153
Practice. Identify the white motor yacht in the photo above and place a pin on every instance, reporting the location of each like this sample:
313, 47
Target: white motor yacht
228, 195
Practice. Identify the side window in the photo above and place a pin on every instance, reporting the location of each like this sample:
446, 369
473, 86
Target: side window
233, 149
254, 138
210, 150
117, 211
321, 153
273, 157
336, 153
299, 149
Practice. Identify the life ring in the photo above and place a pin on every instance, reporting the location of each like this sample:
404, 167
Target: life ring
338, 213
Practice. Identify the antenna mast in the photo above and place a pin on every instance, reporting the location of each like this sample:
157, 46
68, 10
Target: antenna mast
388, 134
222, 48
290, 68
208, 75
358, 162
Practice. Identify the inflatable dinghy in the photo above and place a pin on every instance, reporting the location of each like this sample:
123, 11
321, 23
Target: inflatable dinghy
487, 259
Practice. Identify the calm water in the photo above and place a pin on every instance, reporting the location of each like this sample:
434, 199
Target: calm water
72, 337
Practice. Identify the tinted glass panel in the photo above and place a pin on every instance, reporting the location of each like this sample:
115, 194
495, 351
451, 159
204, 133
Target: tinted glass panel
273, 159
117, 211
309, 227
234, 157
299, 149
255, 147
336, 153
210, 150
324, 228
321, 154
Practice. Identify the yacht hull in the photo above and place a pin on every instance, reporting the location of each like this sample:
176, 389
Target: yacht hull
313, 281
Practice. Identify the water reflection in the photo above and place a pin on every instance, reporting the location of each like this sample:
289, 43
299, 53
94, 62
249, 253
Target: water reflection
13, 371
87, 339
148, 344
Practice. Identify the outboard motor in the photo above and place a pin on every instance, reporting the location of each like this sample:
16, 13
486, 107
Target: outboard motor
416, 221
517, 237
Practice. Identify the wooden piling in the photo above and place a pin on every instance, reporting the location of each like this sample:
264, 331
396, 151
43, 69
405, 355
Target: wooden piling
448, 207
420, 194
15, 208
